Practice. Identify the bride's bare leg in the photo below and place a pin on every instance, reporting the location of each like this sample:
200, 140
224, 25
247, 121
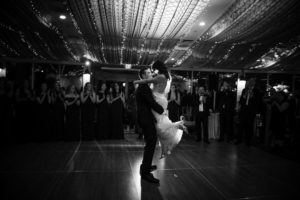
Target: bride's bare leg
181, 125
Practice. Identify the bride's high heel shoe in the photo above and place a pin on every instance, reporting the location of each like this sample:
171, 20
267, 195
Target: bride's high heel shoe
182, 126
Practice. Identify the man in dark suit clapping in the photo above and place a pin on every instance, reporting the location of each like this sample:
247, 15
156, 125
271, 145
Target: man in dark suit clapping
203, 109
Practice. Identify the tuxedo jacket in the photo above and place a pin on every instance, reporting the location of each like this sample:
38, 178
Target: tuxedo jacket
226, 102
254, 102
206, 105
145, 103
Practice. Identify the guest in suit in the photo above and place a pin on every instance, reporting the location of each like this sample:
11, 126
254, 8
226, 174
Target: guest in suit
203, 109
249, 103
145, 104
226, 107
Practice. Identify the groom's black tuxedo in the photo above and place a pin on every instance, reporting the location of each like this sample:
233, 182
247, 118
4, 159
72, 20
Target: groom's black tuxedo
145, 103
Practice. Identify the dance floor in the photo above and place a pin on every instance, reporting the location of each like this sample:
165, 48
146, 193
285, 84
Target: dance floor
110, 170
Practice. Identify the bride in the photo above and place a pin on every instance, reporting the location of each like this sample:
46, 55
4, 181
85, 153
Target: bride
169, 133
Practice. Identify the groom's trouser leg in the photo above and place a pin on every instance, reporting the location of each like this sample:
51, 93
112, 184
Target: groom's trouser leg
199, 126
150, 138
205, 127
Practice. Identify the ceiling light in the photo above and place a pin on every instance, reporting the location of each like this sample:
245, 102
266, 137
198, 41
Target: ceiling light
62, 17
172, 58
202, 23
87, 63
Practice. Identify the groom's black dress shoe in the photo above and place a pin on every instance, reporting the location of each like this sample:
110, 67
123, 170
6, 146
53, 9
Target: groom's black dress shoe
153, 167
150, 178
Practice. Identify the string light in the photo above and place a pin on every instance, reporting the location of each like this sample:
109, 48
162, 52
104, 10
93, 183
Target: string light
124, 17
236, 13
29, 46
9, 48
151, 10
75, 24
45, 44
44, 21
8, 28
199, 8
226, 56
97, 31
21, 35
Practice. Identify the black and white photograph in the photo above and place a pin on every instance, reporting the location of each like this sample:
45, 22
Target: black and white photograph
150, 99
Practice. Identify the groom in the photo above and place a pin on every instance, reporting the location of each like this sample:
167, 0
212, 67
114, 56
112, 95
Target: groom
145, 104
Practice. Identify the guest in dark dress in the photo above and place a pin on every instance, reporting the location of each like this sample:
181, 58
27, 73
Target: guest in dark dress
132, 113
24, 112
88, 100
187, 105
174, 103
116, 112
72, 124
43, 110
6, 111
58, 98
102, 113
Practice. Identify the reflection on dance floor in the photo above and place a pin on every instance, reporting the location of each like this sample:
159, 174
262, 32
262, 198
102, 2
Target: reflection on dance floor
110, 170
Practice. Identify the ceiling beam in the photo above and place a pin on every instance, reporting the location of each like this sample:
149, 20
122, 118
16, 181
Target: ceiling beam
116, 67
234, 70
28, 60
119, 69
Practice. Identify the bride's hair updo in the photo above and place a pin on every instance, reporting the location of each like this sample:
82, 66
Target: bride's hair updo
161, 67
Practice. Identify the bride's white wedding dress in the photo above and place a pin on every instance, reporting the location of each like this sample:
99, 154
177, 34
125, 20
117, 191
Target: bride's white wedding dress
168, 132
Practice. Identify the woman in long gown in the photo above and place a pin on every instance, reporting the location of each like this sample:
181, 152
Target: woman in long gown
6, 111
102, 113
58, 97
43, 113
25, 113
169, 133
116, 112
72, 124
88, 99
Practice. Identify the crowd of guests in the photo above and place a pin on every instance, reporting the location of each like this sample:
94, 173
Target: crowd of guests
52, 113
266, 116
